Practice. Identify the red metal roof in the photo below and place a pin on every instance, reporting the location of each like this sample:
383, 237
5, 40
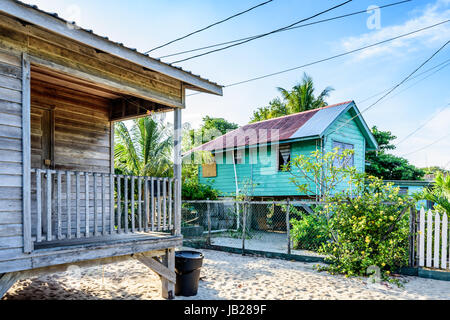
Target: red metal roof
276, 129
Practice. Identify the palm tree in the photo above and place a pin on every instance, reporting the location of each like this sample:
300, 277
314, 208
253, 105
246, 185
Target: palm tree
439, 193
144, 149
301, 97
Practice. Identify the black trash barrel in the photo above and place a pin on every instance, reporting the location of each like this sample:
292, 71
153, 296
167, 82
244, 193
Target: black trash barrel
187, 268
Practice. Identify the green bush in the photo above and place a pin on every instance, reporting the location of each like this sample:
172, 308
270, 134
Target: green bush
368, 227
309, 232
193, 190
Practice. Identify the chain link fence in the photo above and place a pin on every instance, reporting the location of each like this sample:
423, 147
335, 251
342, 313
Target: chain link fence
276, 226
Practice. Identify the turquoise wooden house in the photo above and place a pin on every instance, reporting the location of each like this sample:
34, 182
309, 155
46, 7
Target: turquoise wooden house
250, 160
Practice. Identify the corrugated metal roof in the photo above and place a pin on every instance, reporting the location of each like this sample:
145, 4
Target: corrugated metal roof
299, 125
56, 16
320, 121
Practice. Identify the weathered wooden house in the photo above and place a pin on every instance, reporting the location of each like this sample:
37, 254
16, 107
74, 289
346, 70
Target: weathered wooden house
250, 159
61, 90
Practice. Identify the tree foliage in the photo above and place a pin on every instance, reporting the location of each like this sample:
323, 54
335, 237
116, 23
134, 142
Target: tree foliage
318, 172
299, 98
439, 193
369, 228
144, 149
388, 166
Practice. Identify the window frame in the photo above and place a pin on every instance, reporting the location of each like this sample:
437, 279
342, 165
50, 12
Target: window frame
279, 157
343, 146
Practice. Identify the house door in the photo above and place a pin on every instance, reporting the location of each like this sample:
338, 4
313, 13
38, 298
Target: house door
41, 141
41, 158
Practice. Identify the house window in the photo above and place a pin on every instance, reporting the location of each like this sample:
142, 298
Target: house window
403, 191
284, 157
349, 162
238, 156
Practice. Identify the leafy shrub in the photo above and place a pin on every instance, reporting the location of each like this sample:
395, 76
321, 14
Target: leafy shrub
309, 232
193, 190
368, 227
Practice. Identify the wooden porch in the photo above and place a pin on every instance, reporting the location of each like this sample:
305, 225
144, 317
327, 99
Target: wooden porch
62, 88
71, 208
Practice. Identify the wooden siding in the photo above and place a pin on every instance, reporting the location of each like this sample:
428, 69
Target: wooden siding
261, 173
49, 47
348, 133
81, 131
264, 175
11, 220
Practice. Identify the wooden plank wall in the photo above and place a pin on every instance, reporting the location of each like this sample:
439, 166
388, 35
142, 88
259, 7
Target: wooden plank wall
81, 142
47, 46
11, 240
81, 127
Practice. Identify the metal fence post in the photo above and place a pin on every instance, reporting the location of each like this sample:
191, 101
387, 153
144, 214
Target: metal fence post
244, 223
208, 213
288, 227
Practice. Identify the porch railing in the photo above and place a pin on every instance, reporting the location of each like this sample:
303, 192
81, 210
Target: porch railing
69, 205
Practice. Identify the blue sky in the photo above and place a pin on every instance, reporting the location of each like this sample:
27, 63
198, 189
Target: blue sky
144, 24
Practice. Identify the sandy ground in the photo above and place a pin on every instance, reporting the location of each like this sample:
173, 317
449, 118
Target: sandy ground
262, 241
224, 276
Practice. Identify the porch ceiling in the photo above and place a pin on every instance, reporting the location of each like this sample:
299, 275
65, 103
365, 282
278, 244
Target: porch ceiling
123, 106
62, 80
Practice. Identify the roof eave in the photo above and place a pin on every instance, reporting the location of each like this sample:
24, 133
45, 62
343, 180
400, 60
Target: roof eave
372, 144
58, 26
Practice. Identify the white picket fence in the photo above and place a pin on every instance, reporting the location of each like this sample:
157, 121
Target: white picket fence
433, 253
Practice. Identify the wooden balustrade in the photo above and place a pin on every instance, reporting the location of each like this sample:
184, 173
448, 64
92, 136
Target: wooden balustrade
68, 205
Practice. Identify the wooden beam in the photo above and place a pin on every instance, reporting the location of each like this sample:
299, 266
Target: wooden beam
7, 280
177, 170
110, 84
26, 153
161, 269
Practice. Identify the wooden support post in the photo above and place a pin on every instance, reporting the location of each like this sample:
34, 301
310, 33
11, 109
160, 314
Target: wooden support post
168, 285
26, 154
177, 168
165, 269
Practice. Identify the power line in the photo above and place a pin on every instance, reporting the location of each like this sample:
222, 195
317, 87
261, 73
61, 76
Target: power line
395, 87
423, 125
446, 63
211, 25
287, 29
427, 146
263, 35
329, 58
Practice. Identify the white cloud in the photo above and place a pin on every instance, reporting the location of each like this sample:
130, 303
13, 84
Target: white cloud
432, 14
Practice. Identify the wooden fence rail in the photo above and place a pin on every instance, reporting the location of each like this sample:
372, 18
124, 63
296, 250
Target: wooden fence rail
433, 243
68, 204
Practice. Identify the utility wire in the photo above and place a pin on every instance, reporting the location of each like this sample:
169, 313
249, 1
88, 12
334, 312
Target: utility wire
423, 125
329, 58
395, 87
211, 25
291, 28
263, 35
445, 64
427, 146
